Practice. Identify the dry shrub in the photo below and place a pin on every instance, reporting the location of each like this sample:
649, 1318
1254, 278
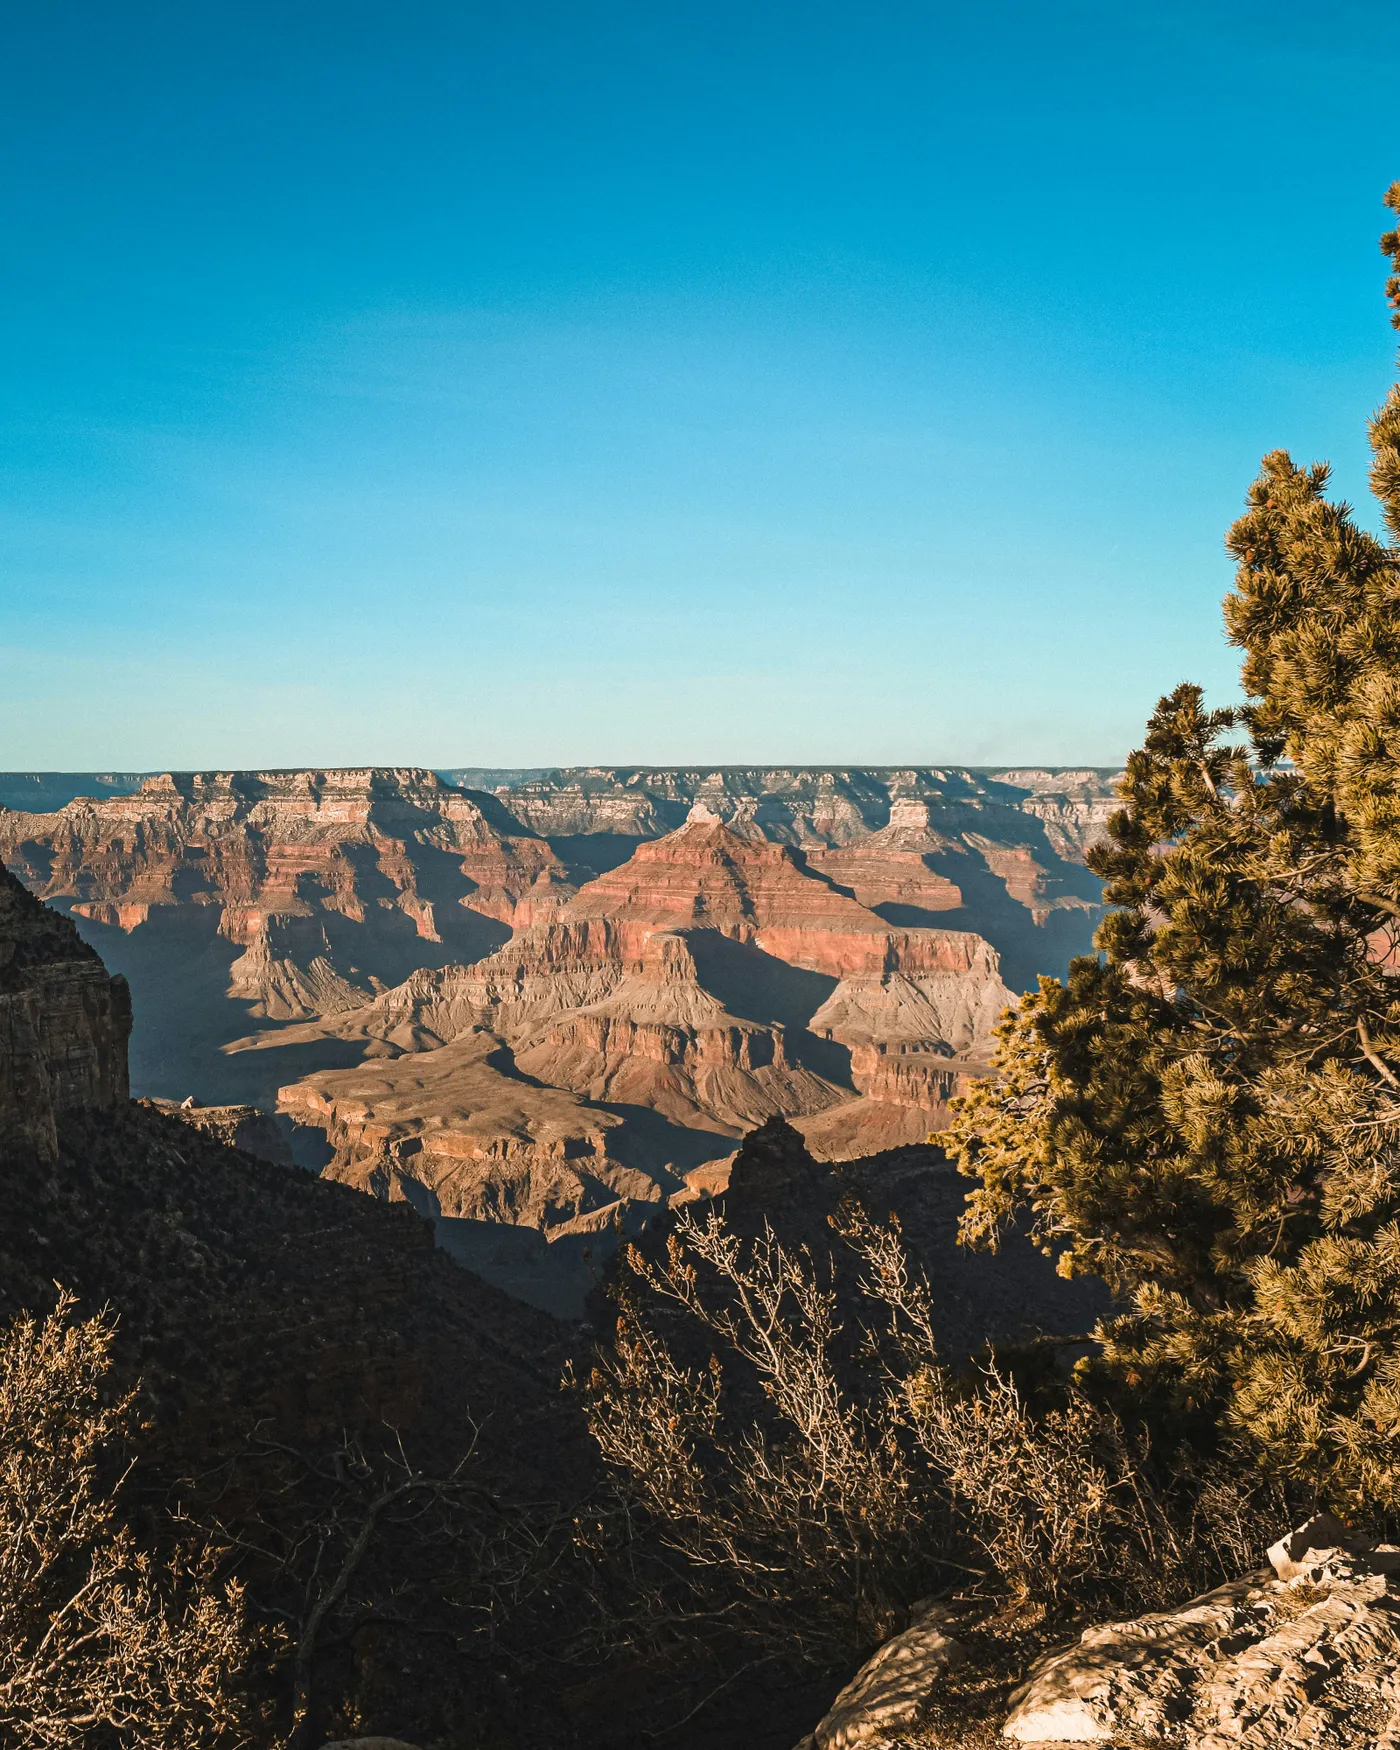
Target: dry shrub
861, 1473
101, 1643
790, 1494
1068, 1507
369, 1561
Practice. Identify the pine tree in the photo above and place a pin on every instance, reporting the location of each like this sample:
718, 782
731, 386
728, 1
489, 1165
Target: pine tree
1207, 1114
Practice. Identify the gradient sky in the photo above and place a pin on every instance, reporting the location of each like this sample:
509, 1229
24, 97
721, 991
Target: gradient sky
560, 383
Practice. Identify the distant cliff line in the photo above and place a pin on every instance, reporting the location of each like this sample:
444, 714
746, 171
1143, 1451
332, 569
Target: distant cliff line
47, 791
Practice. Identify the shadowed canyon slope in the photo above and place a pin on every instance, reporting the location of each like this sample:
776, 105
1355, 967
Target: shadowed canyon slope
564, 998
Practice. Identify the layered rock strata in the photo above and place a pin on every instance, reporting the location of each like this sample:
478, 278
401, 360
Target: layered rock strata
833, 946
807, 806
668, 984
1074, 806
453, 1132
324, 883
63, 1025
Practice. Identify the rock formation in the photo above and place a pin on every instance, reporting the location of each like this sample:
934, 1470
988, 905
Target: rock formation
241, 1127
326, 881
718, 981
887, 1696
63, 1025
455, 1133
1307, 1654
1074, 806
807, 806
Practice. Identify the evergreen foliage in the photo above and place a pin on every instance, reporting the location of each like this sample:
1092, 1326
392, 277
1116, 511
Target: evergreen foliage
1208, 1114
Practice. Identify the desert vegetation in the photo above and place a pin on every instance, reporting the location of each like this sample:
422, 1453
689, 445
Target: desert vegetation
804, 1470
102, 1641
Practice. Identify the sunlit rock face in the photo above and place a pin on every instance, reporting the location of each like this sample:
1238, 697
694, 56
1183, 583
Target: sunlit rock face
713, 979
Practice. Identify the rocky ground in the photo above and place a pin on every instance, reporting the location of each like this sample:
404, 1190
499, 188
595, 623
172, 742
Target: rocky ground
1304, 1652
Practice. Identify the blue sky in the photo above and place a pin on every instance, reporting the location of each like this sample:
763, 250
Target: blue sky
560, 383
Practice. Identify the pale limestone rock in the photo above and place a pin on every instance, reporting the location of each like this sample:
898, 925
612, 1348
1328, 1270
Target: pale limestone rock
1308, 1654
370, 1744
889, 1692
1319, 1533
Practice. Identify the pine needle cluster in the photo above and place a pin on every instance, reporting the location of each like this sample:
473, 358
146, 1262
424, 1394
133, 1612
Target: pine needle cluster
1207, 1114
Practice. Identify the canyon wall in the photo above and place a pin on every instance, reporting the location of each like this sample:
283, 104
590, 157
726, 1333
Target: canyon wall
63, 1025
714, 980
550, 999
276, 896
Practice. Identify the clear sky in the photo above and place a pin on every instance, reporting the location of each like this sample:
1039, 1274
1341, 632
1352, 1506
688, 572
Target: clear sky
658, 380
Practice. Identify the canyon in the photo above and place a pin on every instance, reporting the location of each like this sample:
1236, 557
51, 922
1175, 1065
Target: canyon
556, 1001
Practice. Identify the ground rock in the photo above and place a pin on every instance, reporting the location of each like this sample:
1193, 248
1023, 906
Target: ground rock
1265, 1662
370, 1744
888, 1694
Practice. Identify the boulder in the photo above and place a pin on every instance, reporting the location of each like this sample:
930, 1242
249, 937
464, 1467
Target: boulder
1308, 1653
887, 1695
369, 1744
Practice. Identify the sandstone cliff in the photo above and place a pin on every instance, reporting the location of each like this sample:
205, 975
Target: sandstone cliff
276, 896
661, 960
1074, 806
806, 806
63, 1025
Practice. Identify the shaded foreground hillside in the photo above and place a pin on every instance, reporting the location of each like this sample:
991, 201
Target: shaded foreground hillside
283, 1329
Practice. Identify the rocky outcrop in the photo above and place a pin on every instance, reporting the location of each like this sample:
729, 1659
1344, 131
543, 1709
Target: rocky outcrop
1307, 1654
792, 806
63, 1025
706, 876
856, 1128
242, 1127
714, 1072
889, 1694
454, 1132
